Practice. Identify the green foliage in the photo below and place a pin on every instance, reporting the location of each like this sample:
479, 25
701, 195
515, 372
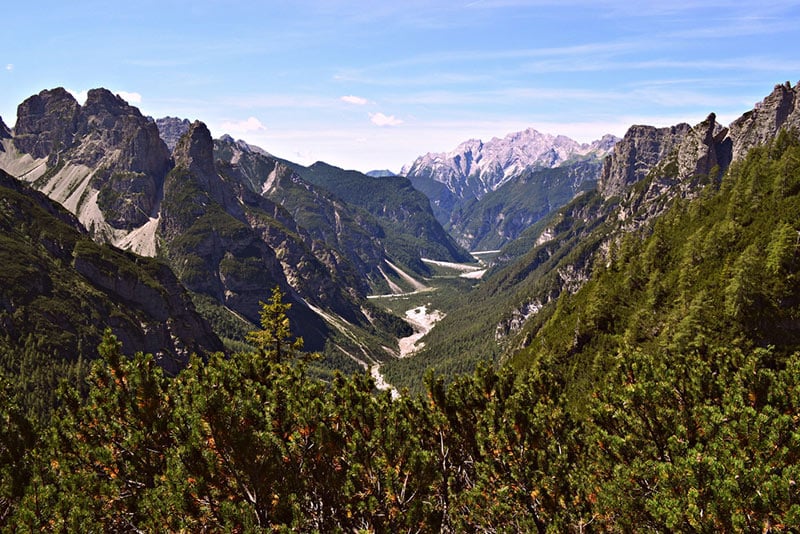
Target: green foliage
17, 439
663, 395
411, 231
691, 441
274, 340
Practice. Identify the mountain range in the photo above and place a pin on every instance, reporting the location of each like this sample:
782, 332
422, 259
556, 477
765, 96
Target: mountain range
231, 220
629, 362
457, 181
646, 174
208, 210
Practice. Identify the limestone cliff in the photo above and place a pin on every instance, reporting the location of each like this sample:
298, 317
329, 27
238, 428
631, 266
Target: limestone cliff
781, 109
103, 161
640, 150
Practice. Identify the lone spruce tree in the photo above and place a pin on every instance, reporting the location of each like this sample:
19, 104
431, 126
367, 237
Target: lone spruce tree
274, 340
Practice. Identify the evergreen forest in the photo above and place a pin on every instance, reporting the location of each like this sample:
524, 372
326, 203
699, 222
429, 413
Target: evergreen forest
664, 395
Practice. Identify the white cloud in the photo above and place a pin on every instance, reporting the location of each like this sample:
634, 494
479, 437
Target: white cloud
10, 67
127, 96
384, 120
130, 98
251, 124
351, 99
80, 96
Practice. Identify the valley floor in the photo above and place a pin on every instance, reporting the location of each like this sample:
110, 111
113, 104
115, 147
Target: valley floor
422, 321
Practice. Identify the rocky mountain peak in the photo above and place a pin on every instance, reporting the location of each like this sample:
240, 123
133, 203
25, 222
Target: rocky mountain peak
102, 100
640, 150
113, 124
105, 161
46, 122
195, 153
781, 109
474, 168
195, 150
171, 129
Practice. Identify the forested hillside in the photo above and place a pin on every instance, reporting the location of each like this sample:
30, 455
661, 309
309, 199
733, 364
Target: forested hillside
663, 395
650, 381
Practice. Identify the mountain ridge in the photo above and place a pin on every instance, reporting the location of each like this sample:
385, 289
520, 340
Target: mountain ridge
457, 182
226, 240
647, 171
64, 289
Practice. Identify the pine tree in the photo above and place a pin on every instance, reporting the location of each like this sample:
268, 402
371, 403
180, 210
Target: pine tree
274, 341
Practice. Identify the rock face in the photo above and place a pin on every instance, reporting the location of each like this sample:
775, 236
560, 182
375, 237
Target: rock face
63, 288
682, 151
171, 129
104, 160
46, 123
640, 150
116, 136
781, 109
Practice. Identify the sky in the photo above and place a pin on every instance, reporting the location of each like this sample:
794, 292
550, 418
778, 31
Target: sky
373, 85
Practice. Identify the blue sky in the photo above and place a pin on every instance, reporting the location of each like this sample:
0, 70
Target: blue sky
372, 85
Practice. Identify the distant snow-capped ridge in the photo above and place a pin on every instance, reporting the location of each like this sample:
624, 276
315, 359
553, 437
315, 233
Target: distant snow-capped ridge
474, 168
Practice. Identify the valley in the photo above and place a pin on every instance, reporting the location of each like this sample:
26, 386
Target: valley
202, 336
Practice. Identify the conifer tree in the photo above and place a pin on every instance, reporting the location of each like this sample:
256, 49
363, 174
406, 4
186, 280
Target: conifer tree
274, 341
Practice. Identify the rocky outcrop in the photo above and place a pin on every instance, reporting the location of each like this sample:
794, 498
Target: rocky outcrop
126, 144
46, 123
104, 160
781, 109
705, 147
195, 153
640, 150
171, 129
111, 125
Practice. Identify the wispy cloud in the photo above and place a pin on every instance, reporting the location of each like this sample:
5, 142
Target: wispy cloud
249, 125
276, 100
351, 99
9, 67
380, 119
